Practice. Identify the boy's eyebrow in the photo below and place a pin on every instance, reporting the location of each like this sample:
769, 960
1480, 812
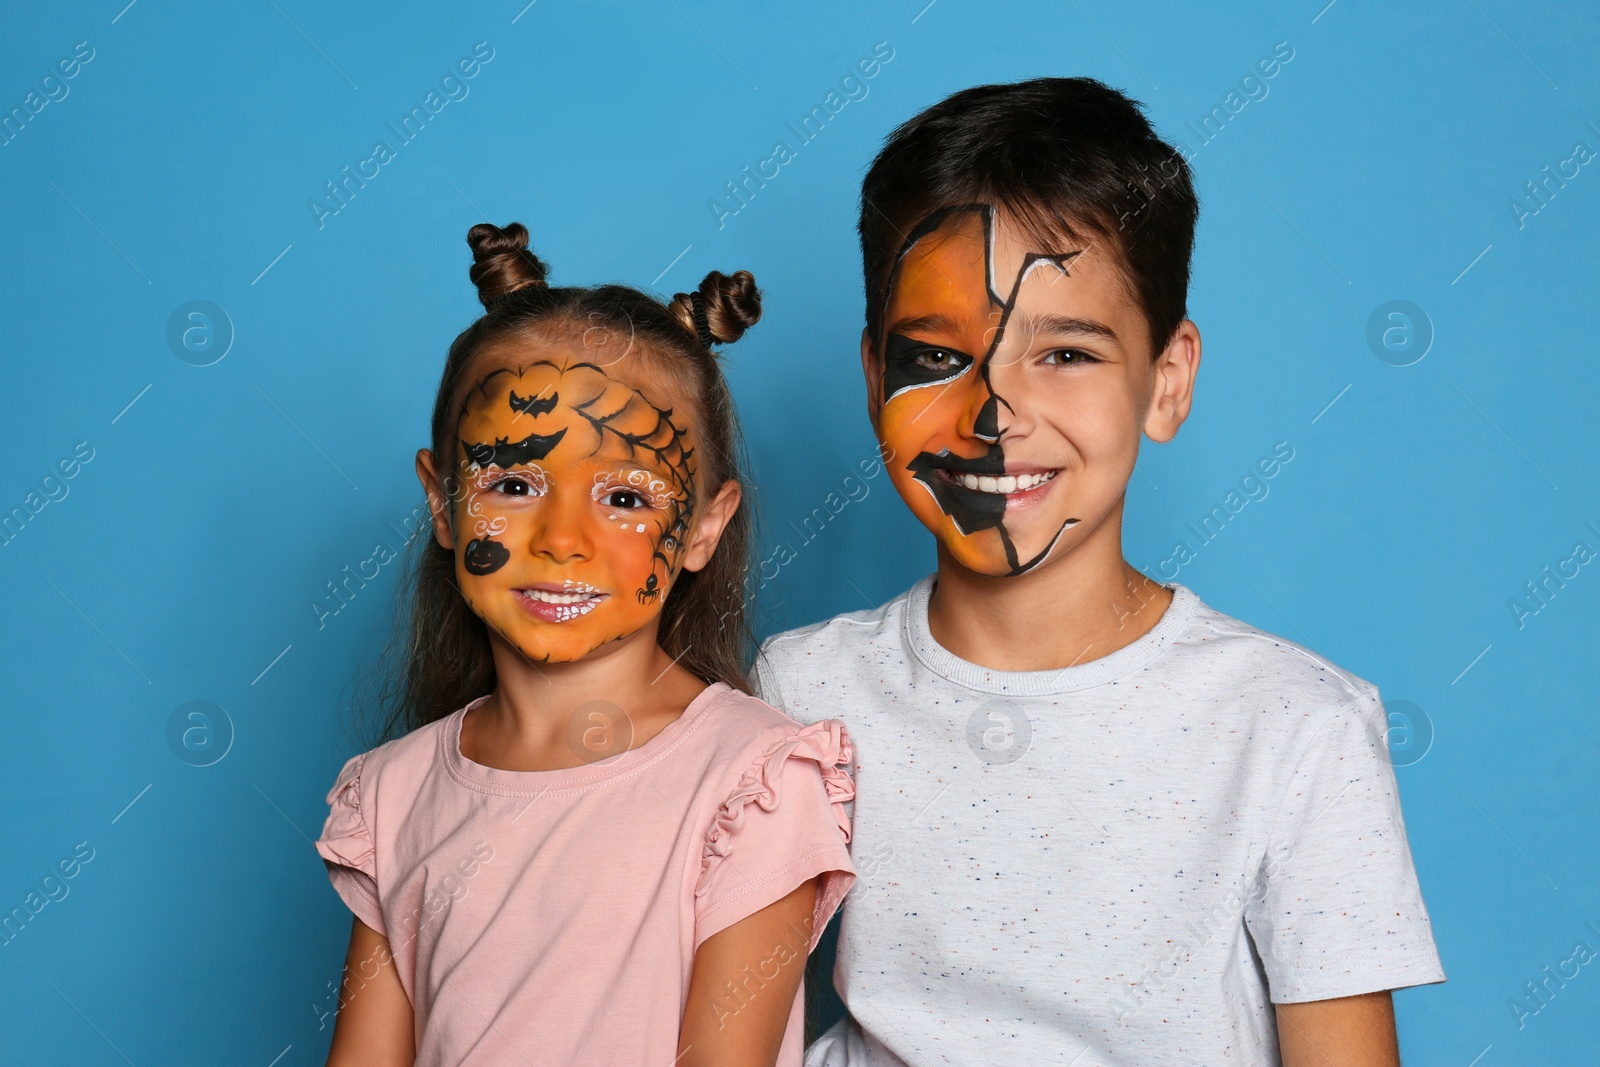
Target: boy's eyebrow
938, 322
1040, 324
1066, 324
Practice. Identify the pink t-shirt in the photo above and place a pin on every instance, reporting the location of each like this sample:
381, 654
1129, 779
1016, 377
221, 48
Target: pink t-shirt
551, 917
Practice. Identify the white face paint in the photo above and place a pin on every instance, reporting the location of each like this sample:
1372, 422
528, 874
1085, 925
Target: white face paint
578, 501
1007, 399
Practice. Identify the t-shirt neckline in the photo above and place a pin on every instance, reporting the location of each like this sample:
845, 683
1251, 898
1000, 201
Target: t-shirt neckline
487, 779
1125, 660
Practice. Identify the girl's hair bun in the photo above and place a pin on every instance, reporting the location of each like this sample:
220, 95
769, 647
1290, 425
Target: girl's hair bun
732, 305
501, 262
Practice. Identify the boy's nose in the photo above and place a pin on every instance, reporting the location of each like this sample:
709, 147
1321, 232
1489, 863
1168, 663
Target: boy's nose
1015, 394
980, 416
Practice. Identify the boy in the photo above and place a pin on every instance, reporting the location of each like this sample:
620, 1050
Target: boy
1096, 821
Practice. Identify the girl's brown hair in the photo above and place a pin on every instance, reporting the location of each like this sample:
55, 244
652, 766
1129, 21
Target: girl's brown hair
439, 659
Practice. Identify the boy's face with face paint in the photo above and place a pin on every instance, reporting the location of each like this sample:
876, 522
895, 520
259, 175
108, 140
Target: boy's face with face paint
1010, 384
574, 503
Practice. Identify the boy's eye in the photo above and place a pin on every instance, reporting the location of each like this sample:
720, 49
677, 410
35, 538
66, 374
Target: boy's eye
1069, 356
909, 364
938, 359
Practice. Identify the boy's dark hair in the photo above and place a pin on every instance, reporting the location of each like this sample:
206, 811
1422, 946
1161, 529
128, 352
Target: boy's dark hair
1058, 155
439, 658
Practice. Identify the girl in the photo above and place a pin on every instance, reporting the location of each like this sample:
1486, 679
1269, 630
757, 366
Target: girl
593, 846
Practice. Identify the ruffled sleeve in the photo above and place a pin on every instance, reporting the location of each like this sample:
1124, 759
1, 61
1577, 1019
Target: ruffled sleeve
346, 847
785, 823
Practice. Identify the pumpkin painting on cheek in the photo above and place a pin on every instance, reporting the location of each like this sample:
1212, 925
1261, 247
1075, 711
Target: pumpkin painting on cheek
577, 499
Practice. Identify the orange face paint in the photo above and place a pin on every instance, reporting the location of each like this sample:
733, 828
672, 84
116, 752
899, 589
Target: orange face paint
575, 502
945, 321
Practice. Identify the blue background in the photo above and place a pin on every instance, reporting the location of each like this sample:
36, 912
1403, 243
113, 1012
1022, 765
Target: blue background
183, 562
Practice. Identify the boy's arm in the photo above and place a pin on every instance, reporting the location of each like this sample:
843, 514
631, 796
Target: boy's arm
1341, 909
1346, 1032
722, 1030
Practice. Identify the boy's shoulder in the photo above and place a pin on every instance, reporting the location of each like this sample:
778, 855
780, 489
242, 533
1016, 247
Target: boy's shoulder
1195, 648
845, 631
871, 633
1220, 648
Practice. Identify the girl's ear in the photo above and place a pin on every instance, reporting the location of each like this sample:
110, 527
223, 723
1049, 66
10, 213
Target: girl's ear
438, 502
714, 518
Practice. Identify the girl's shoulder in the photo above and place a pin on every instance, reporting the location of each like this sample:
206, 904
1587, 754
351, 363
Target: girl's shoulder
750, 736
405, 758
736, 722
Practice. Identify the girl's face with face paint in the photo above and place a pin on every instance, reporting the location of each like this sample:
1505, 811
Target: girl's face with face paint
575, 494
1009, 386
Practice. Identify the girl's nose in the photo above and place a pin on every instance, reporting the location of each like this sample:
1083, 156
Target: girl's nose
560, 532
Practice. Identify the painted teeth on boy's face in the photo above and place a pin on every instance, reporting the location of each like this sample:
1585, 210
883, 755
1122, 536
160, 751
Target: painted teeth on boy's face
1005, 484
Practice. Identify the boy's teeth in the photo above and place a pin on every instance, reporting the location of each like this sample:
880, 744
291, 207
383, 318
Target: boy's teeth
1006, 484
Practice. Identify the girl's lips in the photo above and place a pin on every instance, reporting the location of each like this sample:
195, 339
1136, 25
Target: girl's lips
553, 603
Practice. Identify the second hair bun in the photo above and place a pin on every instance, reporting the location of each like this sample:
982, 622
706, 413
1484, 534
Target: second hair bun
732, 302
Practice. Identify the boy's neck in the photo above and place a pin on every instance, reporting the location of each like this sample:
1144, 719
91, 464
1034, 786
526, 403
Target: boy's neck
1080, 607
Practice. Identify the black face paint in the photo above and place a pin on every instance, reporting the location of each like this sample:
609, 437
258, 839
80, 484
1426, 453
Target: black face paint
648, 431
662, 441
533, 405
971, 510
533, 447
485, 556
911, 364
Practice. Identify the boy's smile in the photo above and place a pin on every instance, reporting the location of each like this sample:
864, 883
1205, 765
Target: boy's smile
1010, 386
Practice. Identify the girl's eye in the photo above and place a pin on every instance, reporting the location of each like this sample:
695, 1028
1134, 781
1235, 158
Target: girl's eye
625, 499
513, 487
1069, 356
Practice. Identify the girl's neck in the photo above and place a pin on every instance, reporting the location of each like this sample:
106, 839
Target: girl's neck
548, 716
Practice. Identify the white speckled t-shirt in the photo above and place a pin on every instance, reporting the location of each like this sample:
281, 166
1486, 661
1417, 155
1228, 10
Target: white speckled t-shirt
1126, 861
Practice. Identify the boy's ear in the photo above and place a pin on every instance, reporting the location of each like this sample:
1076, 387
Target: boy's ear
714, 518
438, 505
872, 370
1172, 390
